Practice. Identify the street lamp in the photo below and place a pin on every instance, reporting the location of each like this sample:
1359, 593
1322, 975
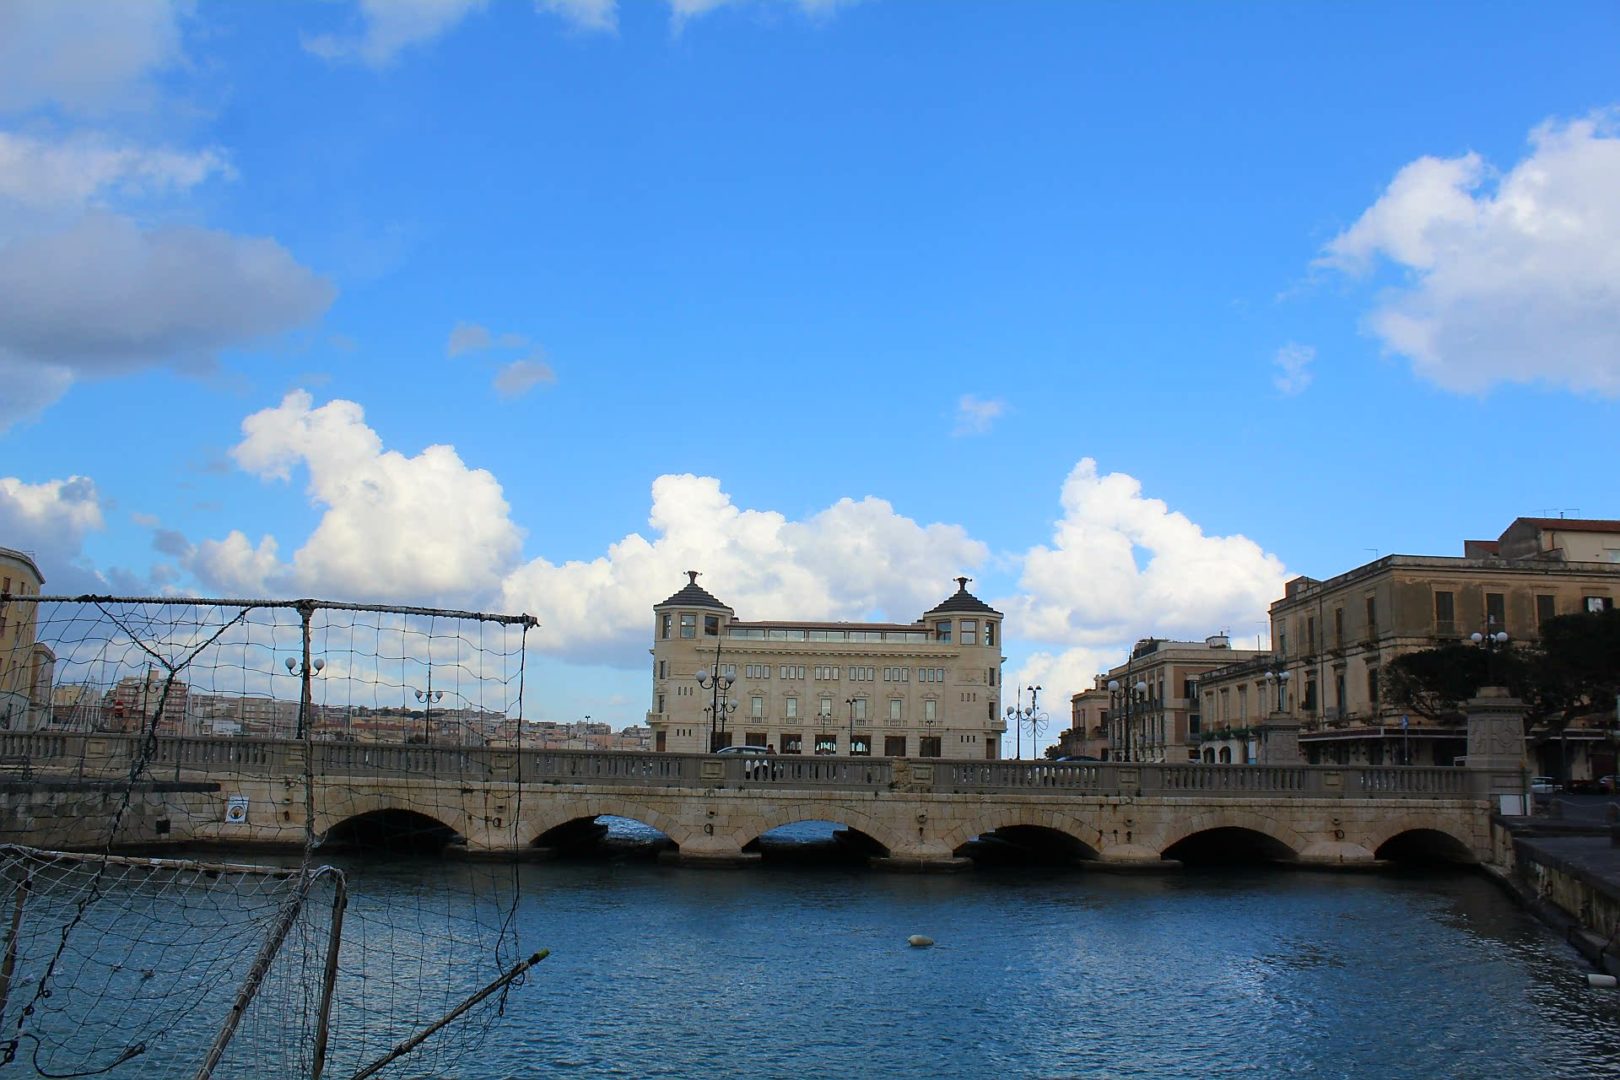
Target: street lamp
1130, 695
1032, 716
427, 698
1490, 642
717, 684
1280, 679
851, 703
305, 670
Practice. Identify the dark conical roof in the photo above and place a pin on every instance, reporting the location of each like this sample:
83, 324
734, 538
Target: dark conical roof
694, 595
961, 600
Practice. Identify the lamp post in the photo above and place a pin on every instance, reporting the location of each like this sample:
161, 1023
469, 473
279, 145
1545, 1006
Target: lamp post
717, 684
305, 670
851, 703
1489, 641
427, 698
1279, 681
1018, 716
1130, 695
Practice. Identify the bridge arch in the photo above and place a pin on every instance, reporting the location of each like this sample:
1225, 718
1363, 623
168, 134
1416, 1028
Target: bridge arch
554, 816
1422, 838
991, 818
1281, 837
394, 829
383, 805
850, 817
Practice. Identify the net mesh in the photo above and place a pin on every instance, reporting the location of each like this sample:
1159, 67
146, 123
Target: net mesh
322, 732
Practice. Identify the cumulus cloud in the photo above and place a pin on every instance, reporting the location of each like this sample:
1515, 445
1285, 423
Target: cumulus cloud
1121, 566
43, 174
414, 529
84, 55
1293, 362
466, 338
853, 560
104, 297
51, 520
602, 15
521, 376
1512, 278
975, 416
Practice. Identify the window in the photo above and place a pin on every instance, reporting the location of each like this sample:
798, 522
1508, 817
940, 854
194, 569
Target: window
827, 744
711, 626
860, 745
990, 676
1546, 608
660, 703
826, 706
860, 709
1445, 613
1597, 604
1372, 617
756, 738
1372, 687
989, 633
790, 671
1310, 634
827, 674
688, 625
928, 746
1309, 704
894, 710
931, 712
663, 669
970, 631
793, 744
1495, 609
791, 708
894, 746
756, 706
668, 620
1338, 626
942, 631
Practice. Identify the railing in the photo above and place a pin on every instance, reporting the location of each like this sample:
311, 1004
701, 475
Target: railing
111, 756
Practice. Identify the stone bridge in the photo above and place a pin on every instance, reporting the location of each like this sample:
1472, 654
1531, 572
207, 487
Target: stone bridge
914, 813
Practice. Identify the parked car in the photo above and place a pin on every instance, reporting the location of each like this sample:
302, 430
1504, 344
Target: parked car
1606, 785
758, 765
1543, 786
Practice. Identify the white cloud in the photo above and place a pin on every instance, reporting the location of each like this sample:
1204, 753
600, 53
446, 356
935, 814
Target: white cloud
1516, 281
975, 416
521, 376
51, 520
602, 15
420, 529
103, 296
41, 174
853, 560
1293, 363
1121, 566
391, 26
683, 10
236, 567
85, 55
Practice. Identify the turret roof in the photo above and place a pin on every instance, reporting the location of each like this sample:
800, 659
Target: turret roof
694, 595
961, 600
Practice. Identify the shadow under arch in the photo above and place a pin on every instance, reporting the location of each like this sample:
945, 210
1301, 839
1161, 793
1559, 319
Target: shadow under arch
1426, 847
868, 829
601, 836
1024, 845
816, 840
1229, 845
393, 830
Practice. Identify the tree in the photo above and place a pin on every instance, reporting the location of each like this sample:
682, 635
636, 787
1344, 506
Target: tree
1435, 682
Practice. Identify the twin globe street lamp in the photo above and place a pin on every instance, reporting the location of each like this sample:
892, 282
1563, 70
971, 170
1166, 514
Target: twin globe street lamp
1131, 695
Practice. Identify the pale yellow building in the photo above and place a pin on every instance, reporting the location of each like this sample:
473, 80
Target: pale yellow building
26, 664
929, 688
1334, 638
1153, 711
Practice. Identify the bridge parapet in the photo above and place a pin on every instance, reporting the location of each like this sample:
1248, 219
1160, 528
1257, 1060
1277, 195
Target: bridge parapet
111, 755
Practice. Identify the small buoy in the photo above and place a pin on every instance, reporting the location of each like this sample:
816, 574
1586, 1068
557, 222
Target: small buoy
919, 941
1601, 982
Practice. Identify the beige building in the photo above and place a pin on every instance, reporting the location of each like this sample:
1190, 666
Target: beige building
1333, 638
929, 688
1153, 711
26, 665
1087, 736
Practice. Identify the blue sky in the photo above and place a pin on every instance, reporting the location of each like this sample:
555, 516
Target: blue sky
1129, 311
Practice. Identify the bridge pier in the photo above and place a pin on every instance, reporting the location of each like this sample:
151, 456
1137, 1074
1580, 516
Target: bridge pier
919, 864
709, 860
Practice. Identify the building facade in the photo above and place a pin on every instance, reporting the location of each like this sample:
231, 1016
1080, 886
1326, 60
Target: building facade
26, 664
1332, 639
1154, 707
930, 688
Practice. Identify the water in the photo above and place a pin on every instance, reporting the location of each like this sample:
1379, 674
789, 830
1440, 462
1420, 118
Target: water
805, 972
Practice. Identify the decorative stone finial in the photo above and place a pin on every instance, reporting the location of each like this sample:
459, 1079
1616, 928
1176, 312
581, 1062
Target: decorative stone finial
692, 576
961, 583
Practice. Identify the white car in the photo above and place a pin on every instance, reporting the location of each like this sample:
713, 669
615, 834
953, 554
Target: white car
758, 766
1544, 785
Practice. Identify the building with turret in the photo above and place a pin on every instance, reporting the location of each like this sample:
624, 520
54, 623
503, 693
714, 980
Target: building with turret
929, 688
26, 664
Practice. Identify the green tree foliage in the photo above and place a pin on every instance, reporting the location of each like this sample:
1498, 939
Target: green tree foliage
1573, 670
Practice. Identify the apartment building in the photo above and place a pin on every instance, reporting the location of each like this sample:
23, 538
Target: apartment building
26, 664
1153, 711
1333, 638
929, 688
